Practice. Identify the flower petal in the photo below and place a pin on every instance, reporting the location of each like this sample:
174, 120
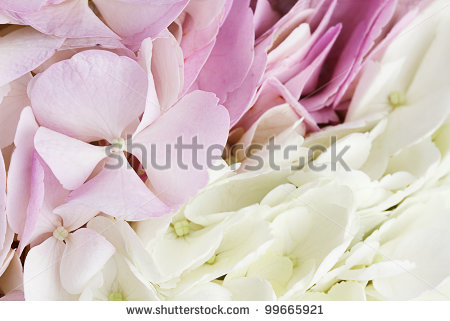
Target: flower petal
119, 192
98, 96
12, 102
23, 50
72, 161
195, 116
41, 272
85, 253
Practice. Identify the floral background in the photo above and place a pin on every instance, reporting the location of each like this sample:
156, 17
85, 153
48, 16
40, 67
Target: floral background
367, 81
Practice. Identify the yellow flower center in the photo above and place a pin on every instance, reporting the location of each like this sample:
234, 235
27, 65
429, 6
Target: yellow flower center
397, 98
115, 296
181, 228
60, 233
212, 260
118, 145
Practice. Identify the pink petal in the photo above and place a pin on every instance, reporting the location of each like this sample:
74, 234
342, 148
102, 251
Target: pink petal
71, 160
239, 101
200, 24
23, 50
11, 104
14, 296
149, 17
19, 174
274, 93
355, 41
21, 6
35, 202
152, 106
265, 17
98, 95
79, 21
3, 221
12, 280
168, 70
46, 193
42, 272
120, 193
232, 54
85, 254
195, 115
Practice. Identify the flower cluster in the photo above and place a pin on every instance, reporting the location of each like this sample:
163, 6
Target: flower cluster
224, 150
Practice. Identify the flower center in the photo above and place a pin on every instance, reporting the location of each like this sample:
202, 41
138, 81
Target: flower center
118, 145
181, 228
212, 260
293, 260
60, 233
397, 98
115, 296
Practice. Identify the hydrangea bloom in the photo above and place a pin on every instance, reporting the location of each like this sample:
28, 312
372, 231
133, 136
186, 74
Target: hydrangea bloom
224, 150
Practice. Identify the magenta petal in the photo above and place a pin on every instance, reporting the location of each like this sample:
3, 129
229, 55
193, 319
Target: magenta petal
265, 17
195, 115
199, 28
98, 95
120, 193
85, 254
355, 41
232, 54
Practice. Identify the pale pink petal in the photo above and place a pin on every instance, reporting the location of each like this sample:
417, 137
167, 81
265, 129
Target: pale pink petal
239, 101
12, 280
71, 160
232, 54
98, 95
196, 115
73, 46
68, 19
21, 6
119, 192
37, 191
149, 17
274, 93
152, 106
46, 193
19, 175
13, 98
85, 254
74, 215
42, 272
13, 296
23, 50
168, 70
3, 221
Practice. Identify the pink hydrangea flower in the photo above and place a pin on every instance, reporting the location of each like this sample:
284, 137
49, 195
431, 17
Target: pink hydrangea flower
102, 99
